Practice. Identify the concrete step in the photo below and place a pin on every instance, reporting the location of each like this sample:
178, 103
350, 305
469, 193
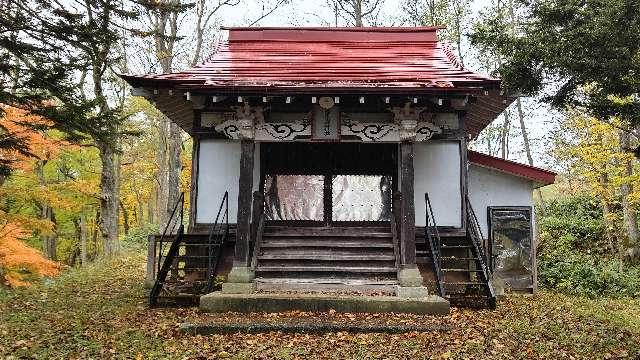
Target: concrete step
272, 303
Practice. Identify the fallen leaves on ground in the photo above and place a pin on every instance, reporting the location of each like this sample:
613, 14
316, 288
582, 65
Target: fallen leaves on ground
101, 312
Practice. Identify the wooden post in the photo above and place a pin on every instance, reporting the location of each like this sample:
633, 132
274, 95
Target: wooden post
245, 186
397, 214
256, 213
151, 261
408, 215
193, 197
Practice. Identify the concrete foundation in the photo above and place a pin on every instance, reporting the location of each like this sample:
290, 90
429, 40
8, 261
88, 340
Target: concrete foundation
224, 302
238, 288
241, 274
410, 277
412, 292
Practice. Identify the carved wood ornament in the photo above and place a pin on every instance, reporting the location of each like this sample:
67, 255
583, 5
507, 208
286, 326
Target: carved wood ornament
410, 123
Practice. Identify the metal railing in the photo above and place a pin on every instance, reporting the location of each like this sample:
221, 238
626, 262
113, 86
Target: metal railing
474, 232
218, 234
435, 244
163, 267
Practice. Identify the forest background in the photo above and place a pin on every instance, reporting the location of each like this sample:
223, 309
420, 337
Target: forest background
85, 166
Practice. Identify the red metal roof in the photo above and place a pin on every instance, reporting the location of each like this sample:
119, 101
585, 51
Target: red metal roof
541, 176
328, 58
332, 61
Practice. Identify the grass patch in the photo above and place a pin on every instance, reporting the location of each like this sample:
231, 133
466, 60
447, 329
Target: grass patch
100, 312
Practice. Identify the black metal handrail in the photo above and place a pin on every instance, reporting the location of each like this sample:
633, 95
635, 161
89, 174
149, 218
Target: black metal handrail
434, 245
164, 266
218, 234
474, 232
171, 223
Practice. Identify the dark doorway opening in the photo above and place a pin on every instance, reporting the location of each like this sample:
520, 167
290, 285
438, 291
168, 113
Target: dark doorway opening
328, 183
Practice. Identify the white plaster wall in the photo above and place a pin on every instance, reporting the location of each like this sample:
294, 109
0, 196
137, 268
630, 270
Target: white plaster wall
437, 172
489, 187
219, 171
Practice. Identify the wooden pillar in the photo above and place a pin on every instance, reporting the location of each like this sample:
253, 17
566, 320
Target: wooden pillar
245, 187
193, 196
408, 214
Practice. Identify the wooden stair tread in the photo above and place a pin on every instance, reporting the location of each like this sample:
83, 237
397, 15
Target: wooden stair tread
325, 268
327, 232
461, 270
465, 283
346, 243
327, 280
329, 257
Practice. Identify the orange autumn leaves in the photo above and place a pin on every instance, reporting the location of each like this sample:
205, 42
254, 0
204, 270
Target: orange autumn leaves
19, 262
20, 124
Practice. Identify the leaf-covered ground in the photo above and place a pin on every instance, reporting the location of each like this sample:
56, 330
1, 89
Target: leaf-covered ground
101, 312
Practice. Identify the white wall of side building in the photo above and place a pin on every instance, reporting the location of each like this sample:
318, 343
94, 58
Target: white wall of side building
437, 171
488, 187
219, 171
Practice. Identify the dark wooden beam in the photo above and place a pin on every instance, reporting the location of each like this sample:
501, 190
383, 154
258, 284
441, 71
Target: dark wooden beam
408, 214
245, 185
195, 167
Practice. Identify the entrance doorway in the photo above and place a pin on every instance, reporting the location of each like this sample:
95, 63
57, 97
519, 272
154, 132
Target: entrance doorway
327, 184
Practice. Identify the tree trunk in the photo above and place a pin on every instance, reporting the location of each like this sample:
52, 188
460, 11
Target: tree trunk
49, 239
125, 218
504, 136
161, 178
94, 235
3, 280
357, 9
527, 149
150, 210
607, 211
630, 217
83, 239
109, 200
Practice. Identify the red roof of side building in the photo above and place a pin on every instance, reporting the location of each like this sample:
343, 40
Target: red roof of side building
541, 177
385, 60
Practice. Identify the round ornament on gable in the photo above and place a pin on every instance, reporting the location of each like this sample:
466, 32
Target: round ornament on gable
326, 102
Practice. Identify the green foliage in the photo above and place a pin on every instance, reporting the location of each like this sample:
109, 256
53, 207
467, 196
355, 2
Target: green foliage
139, 235
572, 256
587, 275
574, 223
588, 50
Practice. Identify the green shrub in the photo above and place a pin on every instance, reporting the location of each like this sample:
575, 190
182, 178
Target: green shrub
587, 275
140, 235
577, 221
573, 258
